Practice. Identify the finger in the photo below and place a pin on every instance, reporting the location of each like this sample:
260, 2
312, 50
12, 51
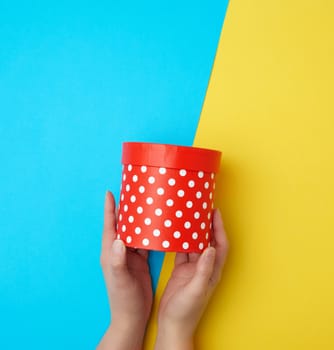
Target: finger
221, 244
212, 239
180, 258
219, 233
193, 257
204, 269
116, 211
109, 213
143, 253
109, 227
118, 263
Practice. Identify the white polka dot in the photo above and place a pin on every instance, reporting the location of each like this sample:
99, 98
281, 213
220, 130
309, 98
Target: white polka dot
185, 245
178, 214
145, 242
180, 193
133, 198
187, 224
165, 244
209, 216
141, 189
147, 221
207, 235
122, 197
129, 167
191, 183
128, 239
134, 178
143, 169
212, 176
140, 210
189, 204
203, 225
156, 232
182, 172
126, 207
210, 195
162, 171
201, 246
151, 179
124, 177
120, 217
137, 230
168, 223
158, 212
206, 185
197, 215
177, 234
118, 236
131, 218
198, 194
123, 228
200, 174
195, 235
169, 202
127, 188
205, 205
160, 191
149, 200
171, 182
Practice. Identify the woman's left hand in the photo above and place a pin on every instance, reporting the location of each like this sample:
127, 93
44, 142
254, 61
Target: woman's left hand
128, 281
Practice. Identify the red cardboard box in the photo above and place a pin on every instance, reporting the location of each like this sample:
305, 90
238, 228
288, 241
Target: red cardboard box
166, 196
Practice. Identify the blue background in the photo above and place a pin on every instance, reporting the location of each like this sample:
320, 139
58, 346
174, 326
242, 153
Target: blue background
76, 80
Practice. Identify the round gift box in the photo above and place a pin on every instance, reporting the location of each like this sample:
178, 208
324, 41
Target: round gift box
166, 196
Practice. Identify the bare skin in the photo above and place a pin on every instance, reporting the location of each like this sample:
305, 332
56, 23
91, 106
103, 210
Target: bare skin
129, 288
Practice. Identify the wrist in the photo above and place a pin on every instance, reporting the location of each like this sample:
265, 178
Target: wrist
176, 338
128, 325
133, 330
123, 336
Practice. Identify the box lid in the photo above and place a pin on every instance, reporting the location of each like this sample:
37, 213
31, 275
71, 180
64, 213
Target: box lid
171, 156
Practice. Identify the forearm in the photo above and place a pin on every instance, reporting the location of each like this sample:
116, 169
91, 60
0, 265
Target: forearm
167, 340
117, 338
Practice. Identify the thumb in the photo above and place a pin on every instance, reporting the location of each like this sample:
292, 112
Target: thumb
204, 270
118, 259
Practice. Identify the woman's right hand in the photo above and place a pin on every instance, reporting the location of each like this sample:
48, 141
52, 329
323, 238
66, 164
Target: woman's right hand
189, 289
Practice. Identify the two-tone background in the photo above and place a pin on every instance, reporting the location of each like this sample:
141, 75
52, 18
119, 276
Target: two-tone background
254, 79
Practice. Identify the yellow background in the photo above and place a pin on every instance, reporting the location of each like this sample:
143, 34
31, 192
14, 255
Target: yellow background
269, 107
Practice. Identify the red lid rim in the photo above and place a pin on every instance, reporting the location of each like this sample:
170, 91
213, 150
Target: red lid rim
172, 145
171, 156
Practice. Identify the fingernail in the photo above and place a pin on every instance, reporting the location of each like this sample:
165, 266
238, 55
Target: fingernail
118, 247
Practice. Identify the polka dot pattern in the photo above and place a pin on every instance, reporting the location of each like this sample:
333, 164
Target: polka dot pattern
165, 209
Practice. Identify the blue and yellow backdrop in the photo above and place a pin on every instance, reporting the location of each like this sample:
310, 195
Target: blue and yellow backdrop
79, 78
